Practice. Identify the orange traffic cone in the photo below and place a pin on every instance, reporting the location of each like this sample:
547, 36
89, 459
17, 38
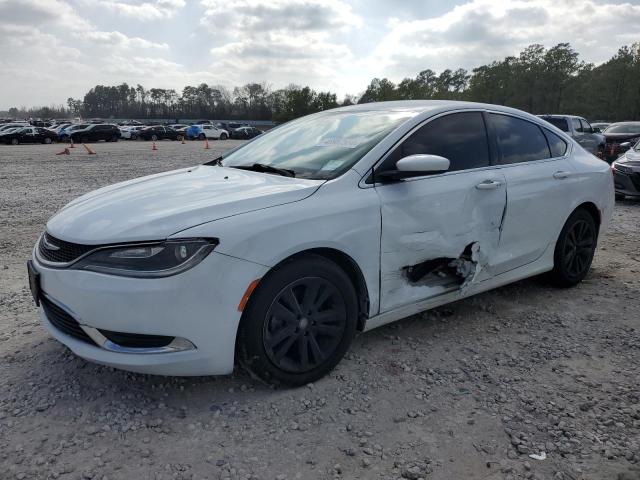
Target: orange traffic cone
64, 152
153, 146
71, 146
89, 151
206, 144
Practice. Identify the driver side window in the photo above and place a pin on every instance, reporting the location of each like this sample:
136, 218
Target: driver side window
459, 137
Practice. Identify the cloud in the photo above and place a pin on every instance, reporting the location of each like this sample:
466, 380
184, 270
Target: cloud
481, 31
282, 41
145, 11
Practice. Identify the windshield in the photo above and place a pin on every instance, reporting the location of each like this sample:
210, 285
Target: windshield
318, 147
632, 128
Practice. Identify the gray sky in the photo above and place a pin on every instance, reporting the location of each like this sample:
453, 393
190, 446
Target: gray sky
53, 49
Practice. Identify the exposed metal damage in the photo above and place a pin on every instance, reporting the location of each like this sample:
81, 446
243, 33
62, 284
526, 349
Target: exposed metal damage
447, 271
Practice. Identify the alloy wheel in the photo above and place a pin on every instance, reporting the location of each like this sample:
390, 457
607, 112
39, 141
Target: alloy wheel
304, 324
578, 248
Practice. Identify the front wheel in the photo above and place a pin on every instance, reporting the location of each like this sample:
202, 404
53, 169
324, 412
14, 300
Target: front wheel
201, 136
14, 141
223, 136
574, 249
47, 140
154, 138
299, 322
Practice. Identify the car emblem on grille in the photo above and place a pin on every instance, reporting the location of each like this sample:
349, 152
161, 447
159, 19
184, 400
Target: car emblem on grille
48, 245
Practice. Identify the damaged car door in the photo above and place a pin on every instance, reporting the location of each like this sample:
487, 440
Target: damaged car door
440, 230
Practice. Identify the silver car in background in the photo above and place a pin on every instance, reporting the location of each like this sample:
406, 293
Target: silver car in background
580, 130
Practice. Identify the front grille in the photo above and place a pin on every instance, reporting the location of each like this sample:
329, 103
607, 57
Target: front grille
63, 321
137, 340
67, 251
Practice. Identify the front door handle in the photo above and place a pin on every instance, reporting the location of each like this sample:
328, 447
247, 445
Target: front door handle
489, 185
561, 175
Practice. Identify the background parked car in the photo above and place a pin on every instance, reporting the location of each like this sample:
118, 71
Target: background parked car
626, 173
157, 132
29, 135
130, 132
619, 137
96, 132
7, 126
228, 126
245, 132
600, 126
206, 131
580, 130
65, 132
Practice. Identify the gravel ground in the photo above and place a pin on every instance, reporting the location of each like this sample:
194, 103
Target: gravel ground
466, 391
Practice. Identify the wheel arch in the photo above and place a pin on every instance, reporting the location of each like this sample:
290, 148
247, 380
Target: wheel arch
593, 211
349, 266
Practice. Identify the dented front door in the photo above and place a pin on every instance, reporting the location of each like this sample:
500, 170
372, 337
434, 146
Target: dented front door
439, 233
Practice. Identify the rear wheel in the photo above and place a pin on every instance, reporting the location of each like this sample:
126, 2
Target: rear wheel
201, 136
154, 137
47, 140
574, 249
114, 138
223, 136
299, 322
15, 141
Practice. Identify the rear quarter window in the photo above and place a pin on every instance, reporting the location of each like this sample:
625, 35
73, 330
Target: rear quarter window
557, 145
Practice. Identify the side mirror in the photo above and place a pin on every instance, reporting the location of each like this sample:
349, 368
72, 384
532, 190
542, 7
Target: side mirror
626, 145
596, 130
415, 166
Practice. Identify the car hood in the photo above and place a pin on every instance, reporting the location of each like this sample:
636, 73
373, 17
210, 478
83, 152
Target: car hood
620, 137
157, 206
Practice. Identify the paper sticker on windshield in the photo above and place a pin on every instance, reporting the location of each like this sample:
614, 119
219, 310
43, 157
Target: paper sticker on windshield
340, 142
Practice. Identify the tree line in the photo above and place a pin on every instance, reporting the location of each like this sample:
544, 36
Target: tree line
538, 80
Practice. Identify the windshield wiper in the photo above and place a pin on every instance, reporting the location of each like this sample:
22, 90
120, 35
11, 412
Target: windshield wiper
216, 162
261, 167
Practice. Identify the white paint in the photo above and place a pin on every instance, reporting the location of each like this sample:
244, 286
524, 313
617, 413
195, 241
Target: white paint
262, 219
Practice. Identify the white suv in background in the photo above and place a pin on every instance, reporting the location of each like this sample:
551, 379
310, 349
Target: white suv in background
213, 132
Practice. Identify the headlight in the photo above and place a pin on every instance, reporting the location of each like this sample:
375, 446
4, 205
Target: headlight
621, 168
148, 260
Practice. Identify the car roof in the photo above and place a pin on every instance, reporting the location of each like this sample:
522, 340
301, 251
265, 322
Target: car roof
421, 107
558, 115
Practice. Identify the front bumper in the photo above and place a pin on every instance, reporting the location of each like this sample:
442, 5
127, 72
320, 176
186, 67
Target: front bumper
198, 307
627, 183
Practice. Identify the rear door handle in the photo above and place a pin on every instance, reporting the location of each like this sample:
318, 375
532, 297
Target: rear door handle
561, 175
489, 185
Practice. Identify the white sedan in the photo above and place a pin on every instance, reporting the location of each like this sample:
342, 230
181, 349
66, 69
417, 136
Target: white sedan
279, 252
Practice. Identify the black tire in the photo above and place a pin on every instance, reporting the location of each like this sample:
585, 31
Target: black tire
15, 141
302, 291
574, 249
114, 138
223, 136
48, 140
620, 196
154, 137
201, 136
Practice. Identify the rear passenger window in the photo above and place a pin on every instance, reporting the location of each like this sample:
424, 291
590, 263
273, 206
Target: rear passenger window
460, 137
557, 145
519, 140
